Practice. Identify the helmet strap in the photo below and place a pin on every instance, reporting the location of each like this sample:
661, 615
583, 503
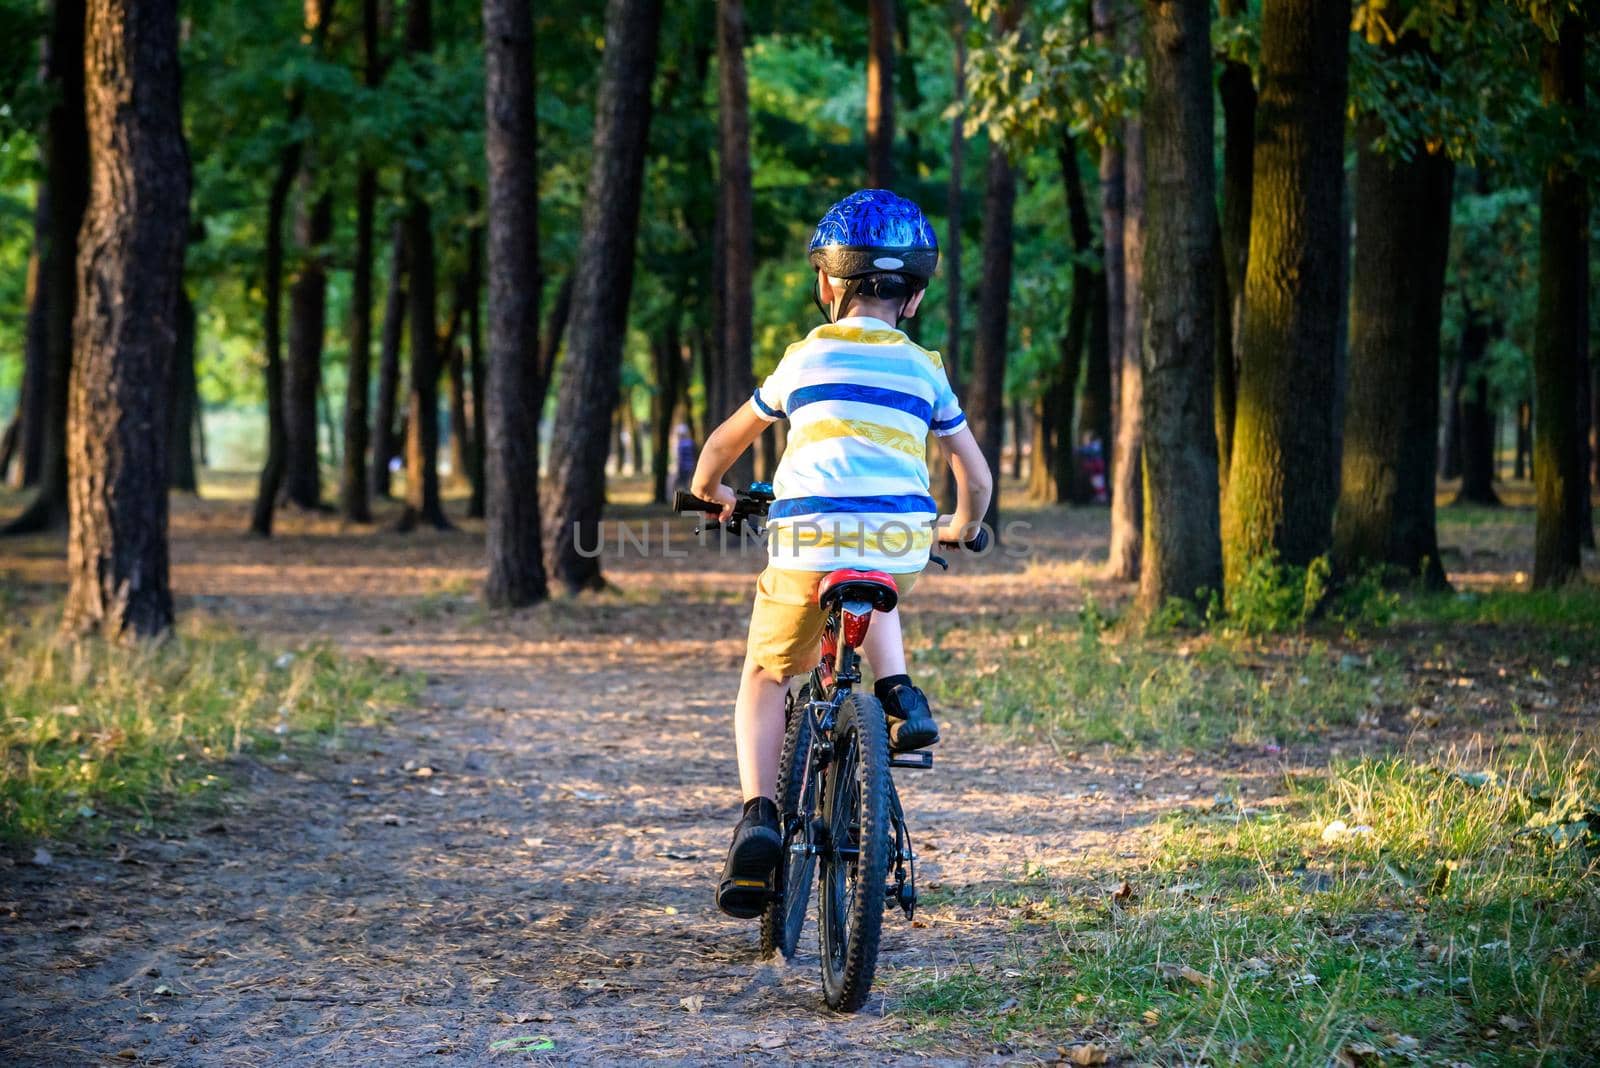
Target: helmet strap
844, 296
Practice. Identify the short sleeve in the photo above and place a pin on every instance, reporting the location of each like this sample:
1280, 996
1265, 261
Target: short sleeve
947, 414
771, 398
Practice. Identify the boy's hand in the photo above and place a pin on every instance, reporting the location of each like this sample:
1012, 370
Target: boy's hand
949, 532
720, 494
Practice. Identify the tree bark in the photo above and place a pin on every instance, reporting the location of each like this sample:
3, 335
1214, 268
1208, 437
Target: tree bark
555, 332
951, 252
1560, 344
385, 439
1523, 461
423, 503
67, 174
130, 271
184, 410
576, 490
738, 259
354, 495
514, 394
1477, 416
880, 93
1280, 479
1085, 294
1182, 553
308, 308
1385, 515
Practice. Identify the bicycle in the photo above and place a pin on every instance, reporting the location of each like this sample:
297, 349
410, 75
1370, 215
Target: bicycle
843, 823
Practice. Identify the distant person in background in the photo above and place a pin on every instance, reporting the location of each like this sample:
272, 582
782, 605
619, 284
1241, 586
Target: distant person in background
1092, 467
685, 455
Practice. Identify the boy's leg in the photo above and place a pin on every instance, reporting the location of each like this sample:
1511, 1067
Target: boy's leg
911, 722
758, 728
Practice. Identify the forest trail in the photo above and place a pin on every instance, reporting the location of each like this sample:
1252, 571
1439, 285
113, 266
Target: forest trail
530, 851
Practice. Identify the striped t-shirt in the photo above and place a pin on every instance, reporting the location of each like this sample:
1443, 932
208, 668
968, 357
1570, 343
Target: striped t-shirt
852, 489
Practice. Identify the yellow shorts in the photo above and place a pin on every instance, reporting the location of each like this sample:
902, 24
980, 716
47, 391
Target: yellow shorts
786, 624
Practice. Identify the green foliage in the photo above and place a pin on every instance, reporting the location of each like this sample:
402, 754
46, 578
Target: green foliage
1273, 597
1392, 909
94, 733
1049, 73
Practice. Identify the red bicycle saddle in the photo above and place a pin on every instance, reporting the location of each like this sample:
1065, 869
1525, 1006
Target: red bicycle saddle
848, 584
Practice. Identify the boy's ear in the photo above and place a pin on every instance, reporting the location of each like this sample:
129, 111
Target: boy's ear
824, 287
913, 304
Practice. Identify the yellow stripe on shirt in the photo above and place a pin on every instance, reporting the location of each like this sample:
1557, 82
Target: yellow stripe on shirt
893, 542
878, 434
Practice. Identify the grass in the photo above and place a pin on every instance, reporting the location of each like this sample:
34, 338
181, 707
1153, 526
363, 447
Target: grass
1458, 921
1163, 692
93, 734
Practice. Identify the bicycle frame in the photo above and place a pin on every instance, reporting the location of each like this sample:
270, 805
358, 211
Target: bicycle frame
835, 679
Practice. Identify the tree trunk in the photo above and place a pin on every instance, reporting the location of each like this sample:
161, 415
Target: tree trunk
272, 470
555, 332
1450, 441
1477, 417
1182, 553
952, 246
1127, 479
880, 93
1085, 295
308, 308
456, 371
423, 503
1560, 345
576, 490
130, 270
385, 440
986, 391
354, 496
185, 403
514, 394
66, 153
1237, 91
1015, 412
669, 371
33, 406
475, 437
1385, 515
1280, 479
738, 259
1523, 462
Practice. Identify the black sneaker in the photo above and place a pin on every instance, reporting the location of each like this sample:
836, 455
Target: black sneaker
747, 876
911, 724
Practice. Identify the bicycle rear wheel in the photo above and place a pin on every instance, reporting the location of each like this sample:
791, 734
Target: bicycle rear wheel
854, 856
785, 914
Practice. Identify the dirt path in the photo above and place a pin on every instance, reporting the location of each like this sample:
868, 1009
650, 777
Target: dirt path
530, 852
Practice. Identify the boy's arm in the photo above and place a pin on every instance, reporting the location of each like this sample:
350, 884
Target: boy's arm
725, 445
973, 485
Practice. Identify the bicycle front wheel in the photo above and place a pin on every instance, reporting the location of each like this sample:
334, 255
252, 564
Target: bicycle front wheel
785, 914
854, 853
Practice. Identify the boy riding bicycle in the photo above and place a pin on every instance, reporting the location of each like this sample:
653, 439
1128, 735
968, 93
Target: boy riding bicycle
852, 491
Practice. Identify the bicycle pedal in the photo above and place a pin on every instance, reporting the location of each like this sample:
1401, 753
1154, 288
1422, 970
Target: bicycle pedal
921, 758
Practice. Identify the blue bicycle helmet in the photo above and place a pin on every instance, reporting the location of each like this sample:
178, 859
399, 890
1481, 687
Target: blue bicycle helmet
881, 244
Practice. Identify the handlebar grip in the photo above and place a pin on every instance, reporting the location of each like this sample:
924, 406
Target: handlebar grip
688, 502
978, 542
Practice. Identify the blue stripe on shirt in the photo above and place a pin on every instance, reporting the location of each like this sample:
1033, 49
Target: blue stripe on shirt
949, 424
770, 412
905, 503
843, 391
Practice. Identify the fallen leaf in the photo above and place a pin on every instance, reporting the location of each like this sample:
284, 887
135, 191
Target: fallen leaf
1355, 1054
164, 990
1123, 895
771, 1042
423, 772
1088, 1053
594, 984
1511, 1023
1404, 1042
42, 857
523, 1044
127, 1054
692, 1003
1195, 977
